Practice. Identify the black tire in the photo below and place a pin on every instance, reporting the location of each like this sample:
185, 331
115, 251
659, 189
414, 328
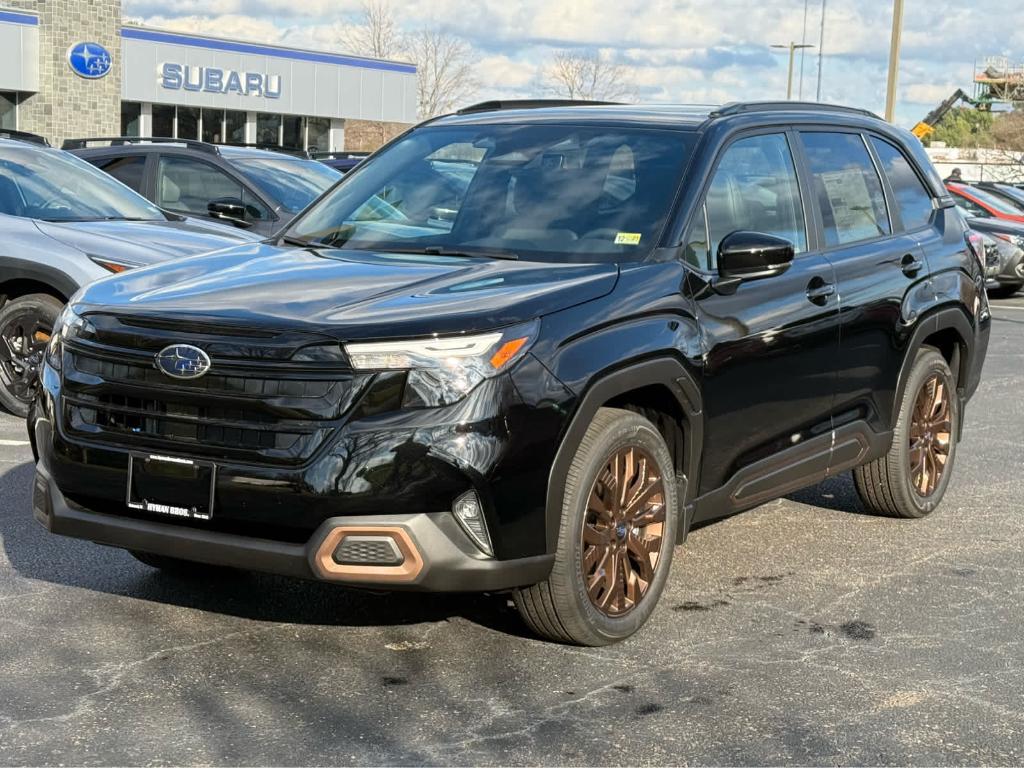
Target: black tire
1005, 291
29, 318
561, 608
888, 485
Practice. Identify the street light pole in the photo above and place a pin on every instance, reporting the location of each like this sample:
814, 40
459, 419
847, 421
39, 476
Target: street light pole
894, 60
793, 48
821, 49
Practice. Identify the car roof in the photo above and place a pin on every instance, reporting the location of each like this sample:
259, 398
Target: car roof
677, 116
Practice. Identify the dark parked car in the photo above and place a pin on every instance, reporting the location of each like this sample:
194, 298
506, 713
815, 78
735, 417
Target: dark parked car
629, 320
1009, 242
246, 187
62, 225
1010, 192
342, 162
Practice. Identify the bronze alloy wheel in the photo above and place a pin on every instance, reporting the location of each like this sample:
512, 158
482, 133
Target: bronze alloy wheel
930, 434
622, 531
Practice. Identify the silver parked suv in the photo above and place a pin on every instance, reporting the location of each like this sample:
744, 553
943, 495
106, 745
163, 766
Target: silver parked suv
63, 224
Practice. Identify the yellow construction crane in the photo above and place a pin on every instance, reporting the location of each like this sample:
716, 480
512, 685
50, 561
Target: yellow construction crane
927, 126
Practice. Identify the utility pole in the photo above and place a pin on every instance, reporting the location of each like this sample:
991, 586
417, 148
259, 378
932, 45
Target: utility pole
821, 49
803, 40
793, 48
894, 60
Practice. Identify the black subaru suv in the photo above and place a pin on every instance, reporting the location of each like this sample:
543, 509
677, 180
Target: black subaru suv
525, 348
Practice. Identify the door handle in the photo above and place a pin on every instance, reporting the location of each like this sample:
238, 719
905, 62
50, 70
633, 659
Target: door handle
911, 265
818, 291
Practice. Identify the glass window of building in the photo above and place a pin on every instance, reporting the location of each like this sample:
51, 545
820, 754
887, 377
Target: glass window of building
131, 112
268, 129
213, 128
291, 135
8, 110
188, 123
163, 121
318, 134
234, 127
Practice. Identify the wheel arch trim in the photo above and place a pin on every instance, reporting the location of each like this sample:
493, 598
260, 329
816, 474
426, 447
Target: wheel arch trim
943, 319
665, 371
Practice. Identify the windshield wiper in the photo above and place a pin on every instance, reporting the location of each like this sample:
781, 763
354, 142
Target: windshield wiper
437, 250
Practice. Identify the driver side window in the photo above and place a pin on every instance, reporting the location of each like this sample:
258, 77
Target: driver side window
755, 189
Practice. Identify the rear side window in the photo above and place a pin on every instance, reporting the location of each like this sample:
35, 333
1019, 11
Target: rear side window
911, 195
127, 170
754, 188
846, 187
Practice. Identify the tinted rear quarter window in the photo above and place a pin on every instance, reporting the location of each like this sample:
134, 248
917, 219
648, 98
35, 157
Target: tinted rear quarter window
847, 188
913, 199
127, 170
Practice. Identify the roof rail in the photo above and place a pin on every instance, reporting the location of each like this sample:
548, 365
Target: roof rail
117, 141
497, 105
744, 107
31, 138
288, 150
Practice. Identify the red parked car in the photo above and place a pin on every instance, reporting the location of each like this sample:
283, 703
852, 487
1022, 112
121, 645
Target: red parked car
984, 204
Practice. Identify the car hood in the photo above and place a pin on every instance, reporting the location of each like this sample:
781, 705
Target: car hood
349, 294
144, 242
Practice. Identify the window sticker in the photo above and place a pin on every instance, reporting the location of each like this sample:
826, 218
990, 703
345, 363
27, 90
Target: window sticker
627, 238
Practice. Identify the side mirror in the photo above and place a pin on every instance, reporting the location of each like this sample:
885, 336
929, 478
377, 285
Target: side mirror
229, 208
753, 255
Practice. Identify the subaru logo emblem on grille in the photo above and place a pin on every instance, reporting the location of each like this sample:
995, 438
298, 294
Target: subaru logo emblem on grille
183, 361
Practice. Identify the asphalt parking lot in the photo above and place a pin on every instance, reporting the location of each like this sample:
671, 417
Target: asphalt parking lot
803, 632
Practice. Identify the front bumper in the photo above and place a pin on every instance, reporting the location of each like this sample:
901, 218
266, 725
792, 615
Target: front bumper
434, 556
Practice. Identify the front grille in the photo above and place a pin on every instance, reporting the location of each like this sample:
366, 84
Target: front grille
244, 409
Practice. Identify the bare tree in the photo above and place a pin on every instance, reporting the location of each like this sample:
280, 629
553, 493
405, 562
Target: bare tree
589, 75
376, 34
445, 71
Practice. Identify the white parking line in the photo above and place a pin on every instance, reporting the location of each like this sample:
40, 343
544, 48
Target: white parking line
14, 442
1005, 306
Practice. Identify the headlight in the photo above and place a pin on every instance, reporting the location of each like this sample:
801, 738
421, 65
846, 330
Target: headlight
443, 370
112, 265
69, 325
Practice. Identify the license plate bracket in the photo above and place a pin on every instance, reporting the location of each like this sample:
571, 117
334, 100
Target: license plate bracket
173, 486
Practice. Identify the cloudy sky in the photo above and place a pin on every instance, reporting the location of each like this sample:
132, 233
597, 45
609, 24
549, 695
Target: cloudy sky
701, 51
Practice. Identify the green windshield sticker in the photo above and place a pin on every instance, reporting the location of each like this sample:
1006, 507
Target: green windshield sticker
627, 238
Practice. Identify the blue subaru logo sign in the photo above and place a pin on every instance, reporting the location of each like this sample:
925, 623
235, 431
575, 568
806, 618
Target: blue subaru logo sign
183, 361
89, 60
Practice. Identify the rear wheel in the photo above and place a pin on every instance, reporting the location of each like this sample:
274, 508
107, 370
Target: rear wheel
25, 327
911, 479
616, 539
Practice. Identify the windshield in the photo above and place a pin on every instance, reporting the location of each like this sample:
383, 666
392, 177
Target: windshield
546, 192
292, 182
1015, 194
52, 185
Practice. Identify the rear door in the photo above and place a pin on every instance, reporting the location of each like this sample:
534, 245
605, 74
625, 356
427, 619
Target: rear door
880, 267
771, 347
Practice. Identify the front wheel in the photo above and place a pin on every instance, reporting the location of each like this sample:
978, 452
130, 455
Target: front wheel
911, 479
25, 327
617, 535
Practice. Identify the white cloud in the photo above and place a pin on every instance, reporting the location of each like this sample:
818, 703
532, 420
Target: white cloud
679, 50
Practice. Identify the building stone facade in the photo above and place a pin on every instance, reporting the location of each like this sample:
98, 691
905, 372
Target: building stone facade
66, 104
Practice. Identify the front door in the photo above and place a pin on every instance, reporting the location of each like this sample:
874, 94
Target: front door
771, 348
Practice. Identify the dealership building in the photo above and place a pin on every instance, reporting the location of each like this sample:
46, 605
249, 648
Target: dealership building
72, 68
